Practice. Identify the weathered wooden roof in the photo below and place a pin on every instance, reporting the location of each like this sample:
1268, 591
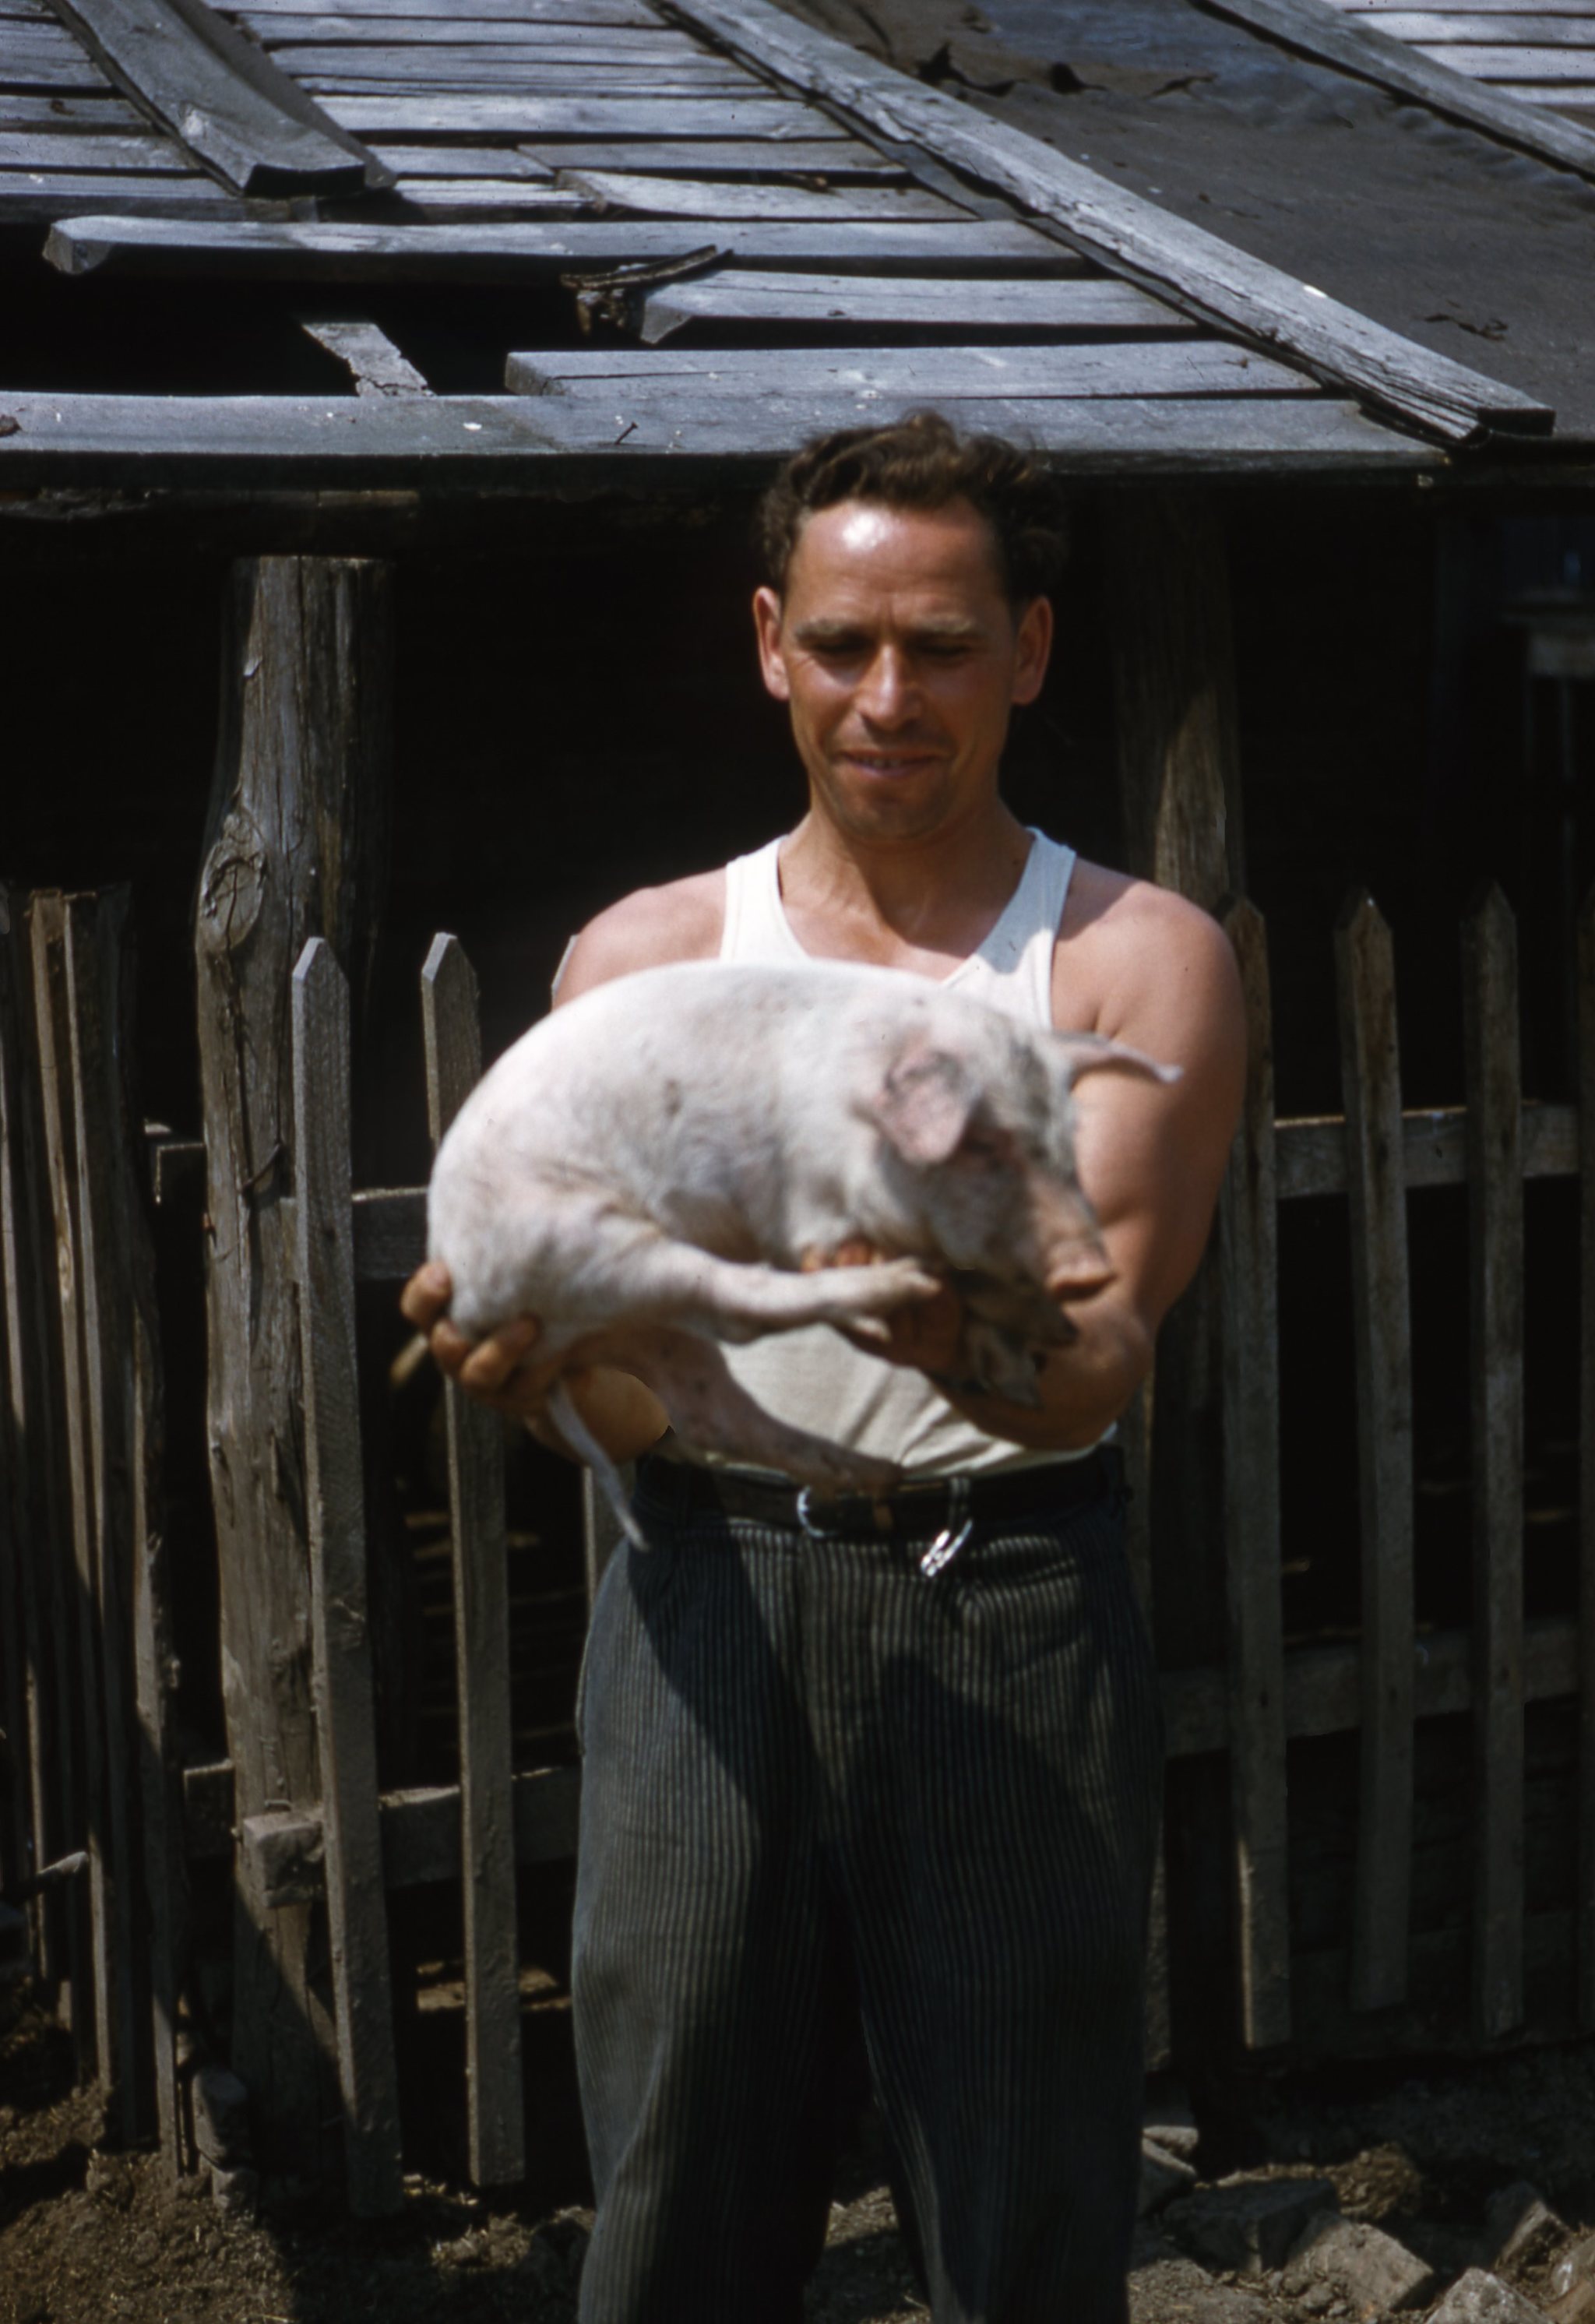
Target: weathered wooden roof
819, 238
1540, 52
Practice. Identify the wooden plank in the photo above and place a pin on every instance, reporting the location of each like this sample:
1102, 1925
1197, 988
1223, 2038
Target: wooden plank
29, 198
38, 1482
303, 40
1586, 1055
108, 1199
346, 1691
1210, 278
81, 1688
631, 380
874, 303
1371, 1077
521, 63
1580, 94
681, 198
451, 201
385, 253
1441, 31
38, 150
69, 113
422, 1836
1495, 1211
1313, 1151
73, 75
294, 847
549, 443
260, 14
372, 360
1249, 1270
476, 72
527, 115
494, 2100
1360, 48
1491, 61
839, 158
408, 163
221, 96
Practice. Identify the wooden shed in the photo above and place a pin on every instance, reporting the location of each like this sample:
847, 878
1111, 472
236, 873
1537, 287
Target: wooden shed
426, 354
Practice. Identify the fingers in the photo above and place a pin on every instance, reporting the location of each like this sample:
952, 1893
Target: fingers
488, 1365
427, 1295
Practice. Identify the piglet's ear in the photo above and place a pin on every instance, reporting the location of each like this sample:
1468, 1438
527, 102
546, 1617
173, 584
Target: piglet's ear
1087, 1053
923, 1104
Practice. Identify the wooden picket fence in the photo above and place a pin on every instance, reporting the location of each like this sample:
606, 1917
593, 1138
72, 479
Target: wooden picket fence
358, 1843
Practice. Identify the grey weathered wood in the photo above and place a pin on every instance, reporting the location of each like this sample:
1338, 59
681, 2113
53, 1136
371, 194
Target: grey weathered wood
494, 2100
1248, 1272
457, 200
322, 44
1135, 1442
46, 931
484, 64
294, 847
1210, 278
1489, 61
1442, 31
36, 149
261, 14
526, 114
116, 1301
221, 96
733, 294
67, 71
1370, 1079
412, 161
1586, 1055
1174, 686
422, 1836
628, 378
479, 82
659, 196
841, 159
370, 357
376, 253
1313, 1151
1495, 1212
547, 443
1360, 48
27, 198
74, 114
344, 1678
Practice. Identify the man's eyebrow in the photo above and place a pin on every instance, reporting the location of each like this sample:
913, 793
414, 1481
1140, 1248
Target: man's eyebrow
820, 630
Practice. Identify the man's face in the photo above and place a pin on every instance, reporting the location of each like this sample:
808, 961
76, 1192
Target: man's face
900, 658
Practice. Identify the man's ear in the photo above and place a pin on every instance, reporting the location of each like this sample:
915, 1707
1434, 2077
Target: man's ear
772, 660
922, 1103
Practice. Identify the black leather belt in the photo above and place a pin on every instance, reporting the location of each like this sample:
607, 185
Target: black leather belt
935, 1508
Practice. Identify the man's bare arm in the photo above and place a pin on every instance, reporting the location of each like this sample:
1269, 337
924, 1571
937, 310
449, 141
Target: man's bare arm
1151, 1159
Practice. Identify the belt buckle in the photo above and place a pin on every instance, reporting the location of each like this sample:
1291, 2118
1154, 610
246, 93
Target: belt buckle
953, 1535
804, 1509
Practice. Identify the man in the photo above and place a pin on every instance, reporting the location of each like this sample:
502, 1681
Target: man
900, 1758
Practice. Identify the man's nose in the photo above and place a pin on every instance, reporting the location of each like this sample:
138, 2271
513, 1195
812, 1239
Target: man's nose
889, 693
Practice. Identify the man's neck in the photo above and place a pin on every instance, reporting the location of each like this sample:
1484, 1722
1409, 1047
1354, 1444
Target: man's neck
924, 903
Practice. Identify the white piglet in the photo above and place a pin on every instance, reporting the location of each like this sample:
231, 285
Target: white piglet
675, 1158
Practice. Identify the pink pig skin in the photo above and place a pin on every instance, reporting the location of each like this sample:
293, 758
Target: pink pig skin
647, 1170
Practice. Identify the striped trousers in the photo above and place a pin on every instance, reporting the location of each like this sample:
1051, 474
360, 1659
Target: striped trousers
814, 1776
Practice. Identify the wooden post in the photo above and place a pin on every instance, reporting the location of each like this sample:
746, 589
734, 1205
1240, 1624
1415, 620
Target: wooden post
116, 1294
36, 1483
1179, 787
1586, 1103
346, 1691
1370, 1076
1495, 1212
495, 2091
1248, 1244
295, 845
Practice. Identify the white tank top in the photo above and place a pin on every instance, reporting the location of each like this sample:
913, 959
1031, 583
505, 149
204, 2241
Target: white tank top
815, 1379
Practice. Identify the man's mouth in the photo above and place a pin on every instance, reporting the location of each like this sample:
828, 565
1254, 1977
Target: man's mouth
889, 762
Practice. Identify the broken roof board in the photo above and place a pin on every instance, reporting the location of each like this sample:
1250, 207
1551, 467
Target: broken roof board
599, 218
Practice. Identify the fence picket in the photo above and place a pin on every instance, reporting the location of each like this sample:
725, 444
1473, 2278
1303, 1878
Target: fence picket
1494, 1211
22, 1714
1250, 1294
334, 1492
1586, 1098
495, 2095
1371, 1073
47, 930
1134, 1438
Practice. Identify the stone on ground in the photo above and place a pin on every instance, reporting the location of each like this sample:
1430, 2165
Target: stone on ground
1482, 2299
1521, 2227
1168, 2120
1163, 2177
1162, 2289
1248, 2225
1359, 2264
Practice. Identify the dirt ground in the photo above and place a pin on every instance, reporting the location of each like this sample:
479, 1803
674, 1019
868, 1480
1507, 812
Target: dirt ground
87, 2234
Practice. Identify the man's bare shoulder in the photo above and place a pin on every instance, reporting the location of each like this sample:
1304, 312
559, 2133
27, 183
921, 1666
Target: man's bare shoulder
1135, 952
681, 920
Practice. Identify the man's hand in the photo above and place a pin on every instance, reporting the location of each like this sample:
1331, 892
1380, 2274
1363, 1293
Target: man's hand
624, 1415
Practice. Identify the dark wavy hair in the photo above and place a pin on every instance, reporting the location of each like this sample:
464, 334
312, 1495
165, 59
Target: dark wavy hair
922, 462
